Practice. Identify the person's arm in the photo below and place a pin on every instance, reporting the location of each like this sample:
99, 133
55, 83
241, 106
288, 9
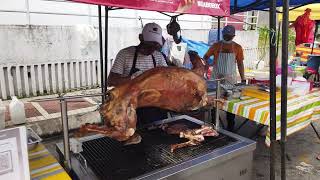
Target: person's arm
116, 79
240, 59
206, 57
209, 53
241, 70
185, 5
116, 74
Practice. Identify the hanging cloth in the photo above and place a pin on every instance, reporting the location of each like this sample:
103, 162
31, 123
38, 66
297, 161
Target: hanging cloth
303, 27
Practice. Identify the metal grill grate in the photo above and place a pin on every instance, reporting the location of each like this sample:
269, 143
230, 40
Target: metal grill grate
110, 160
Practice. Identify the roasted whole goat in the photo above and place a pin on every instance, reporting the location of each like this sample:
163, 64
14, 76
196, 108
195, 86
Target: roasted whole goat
171, 88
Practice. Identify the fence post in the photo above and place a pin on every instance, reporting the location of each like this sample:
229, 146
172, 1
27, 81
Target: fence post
89, 15
27, 11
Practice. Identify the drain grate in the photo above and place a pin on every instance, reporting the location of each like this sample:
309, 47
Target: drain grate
109, 159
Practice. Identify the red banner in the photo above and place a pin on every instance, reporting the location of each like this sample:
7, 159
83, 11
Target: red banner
205, 7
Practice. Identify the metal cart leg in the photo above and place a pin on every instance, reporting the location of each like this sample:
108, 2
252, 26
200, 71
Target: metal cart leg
315, 130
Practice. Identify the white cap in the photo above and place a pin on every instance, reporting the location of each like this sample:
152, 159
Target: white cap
152, 32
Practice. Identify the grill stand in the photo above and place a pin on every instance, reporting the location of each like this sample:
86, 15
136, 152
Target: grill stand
217, 109
233, 161
65, 126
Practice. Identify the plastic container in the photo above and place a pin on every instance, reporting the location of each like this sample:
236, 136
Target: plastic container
2, 115
261, 75
32, 139
301, 87
17, 112
278, 81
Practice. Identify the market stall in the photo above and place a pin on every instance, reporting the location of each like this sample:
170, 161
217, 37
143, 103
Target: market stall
239, 6
105, 158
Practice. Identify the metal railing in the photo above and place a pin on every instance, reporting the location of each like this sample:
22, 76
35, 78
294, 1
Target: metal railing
26, 80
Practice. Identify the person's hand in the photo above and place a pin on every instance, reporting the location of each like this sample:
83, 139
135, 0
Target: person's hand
206, 65
134, 75
185, 5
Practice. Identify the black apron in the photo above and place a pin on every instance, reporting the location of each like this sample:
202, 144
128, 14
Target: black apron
147, 115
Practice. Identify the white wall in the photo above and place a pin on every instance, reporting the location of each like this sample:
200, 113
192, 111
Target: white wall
38, 44
47, 44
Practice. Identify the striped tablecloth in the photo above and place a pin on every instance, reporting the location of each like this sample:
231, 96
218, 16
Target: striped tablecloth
302, 110
43, 166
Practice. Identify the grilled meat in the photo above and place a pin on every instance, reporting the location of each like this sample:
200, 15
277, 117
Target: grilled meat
174, 129
195, 136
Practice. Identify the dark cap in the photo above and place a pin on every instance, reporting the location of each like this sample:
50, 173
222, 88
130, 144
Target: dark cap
229, 30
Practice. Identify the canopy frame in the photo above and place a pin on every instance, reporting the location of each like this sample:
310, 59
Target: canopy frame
272, 10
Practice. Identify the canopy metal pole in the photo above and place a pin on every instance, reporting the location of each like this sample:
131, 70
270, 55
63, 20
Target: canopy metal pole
106, 23
273, 57
101, 54
278, 39
219, 27
284, 77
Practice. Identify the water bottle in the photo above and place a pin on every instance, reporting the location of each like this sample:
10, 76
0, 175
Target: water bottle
2, 115
17, 111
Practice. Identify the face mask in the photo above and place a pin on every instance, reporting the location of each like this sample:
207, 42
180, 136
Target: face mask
227, 38
227, 42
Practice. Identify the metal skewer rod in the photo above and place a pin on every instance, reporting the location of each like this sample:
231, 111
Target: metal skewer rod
67, 97
217, 103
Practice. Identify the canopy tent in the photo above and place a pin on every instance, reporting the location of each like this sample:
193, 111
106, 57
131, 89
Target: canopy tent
293, 14
208, 7
220, 8
249, 5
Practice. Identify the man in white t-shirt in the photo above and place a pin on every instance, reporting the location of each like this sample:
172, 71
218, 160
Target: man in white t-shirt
134, 60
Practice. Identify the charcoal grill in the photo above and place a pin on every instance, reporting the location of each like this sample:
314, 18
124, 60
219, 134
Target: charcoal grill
227, 156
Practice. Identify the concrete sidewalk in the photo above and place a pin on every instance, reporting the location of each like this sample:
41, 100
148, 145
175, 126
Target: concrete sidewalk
44, 117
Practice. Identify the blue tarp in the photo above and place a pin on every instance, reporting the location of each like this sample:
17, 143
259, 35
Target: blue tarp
200, 47
248, 5
213, 36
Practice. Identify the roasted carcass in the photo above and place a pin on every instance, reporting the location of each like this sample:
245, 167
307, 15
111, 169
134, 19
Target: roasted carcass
170, 88
195, 136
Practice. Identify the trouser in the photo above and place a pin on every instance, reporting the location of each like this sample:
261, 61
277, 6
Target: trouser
231, 121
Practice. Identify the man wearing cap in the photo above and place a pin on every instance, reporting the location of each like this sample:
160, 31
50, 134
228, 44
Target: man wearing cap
228, 55
134, 60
